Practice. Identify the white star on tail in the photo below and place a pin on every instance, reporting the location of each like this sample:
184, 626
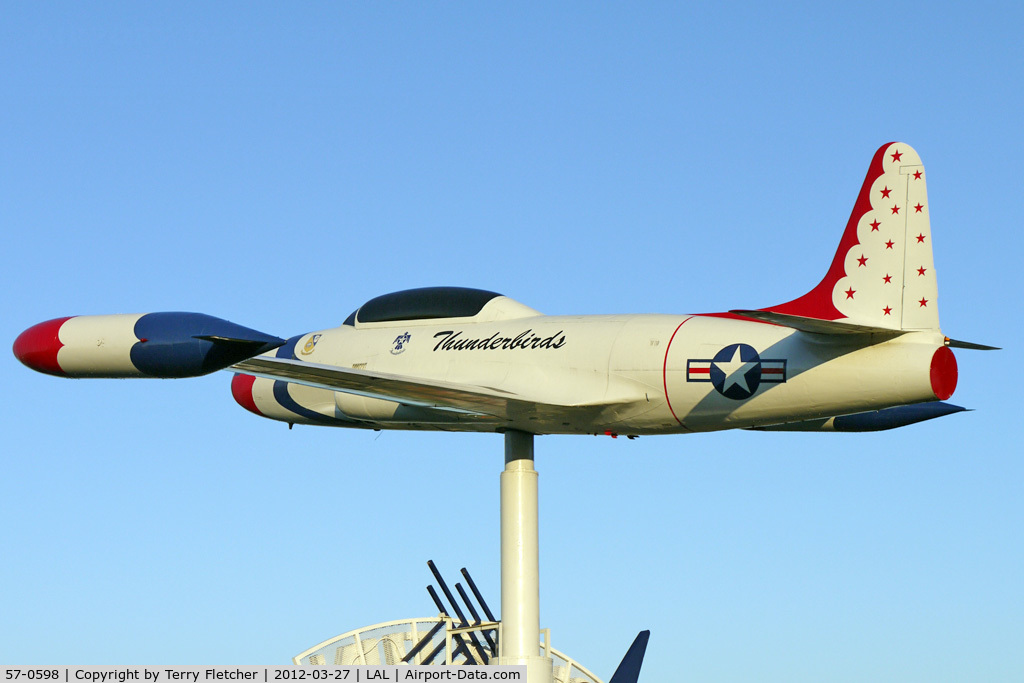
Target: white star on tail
735, 371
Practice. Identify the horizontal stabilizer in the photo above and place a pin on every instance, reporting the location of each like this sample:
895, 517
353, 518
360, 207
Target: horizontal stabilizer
970, 345
870, 421
816, 325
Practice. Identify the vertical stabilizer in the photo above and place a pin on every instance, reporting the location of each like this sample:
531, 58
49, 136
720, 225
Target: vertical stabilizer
883, 274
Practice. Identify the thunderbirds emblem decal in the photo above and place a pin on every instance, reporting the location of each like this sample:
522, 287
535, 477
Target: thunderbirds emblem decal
398, 346
736, 371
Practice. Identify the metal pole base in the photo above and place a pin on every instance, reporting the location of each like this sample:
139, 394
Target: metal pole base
520, 563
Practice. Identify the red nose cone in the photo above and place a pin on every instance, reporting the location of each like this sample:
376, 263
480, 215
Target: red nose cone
241, 389
943, 373
37, 347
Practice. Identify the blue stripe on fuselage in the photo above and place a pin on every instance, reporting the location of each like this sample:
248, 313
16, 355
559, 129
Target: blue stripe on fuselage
281, 395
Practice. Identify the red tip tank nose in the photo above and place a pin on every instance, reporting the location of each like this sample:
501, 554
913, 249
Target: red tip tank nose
37, 347
241, 389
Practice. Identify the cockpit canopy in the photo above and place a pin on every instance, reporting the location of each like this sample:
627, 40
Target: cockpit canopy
424, 303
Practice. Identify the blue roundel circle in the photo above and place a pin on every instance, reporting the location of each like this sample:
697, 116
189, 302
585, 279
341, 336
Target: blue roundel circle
736, 371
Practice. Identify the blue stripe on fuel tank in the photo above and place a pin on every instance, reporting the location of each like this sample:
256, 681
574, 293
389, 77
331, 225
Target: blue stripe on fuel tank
169, 346
285, 400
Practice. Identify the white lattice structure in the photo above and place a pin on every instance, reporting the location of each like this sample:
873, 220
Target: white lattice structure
389, 642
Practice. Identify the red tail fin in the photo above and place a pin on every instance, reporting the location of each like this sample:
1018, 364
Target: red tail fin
883, 273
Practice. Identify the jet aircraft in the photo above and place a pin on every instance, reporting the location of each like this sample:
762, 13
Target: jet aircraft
860, 351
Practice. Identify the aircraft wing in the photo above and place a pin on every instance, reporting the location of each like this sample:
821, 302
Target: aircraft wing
439, 395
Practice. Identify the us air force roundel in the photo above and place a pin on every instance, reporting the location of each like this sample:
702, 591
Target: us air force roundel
736, 371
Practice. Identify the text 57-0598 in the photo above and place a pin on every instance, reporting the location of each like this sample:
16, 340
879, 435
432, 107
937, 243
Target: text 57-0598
32, 674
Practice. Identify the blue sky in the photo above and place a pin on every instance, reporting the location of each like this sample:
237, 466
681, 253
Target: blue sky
277, 165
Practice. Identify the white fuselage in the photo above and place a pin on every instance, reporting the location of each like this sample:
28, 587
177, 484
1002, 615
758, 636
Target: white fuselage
621, 374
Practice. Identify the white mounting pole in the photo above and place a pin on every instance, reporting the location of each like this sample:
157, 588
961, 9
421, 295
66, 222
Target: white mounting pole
520, 563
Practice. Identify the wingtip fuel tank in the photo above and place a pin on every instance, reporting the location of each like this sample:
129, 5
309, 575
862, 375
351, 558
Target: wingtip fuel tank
165, 345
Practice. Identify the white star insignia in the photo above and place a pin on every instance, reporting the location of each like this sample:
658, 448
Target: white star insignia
735, 371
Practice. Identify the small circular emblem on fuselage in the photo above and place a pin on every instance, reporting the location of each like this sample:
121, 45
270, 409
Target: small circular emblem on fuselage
736, 371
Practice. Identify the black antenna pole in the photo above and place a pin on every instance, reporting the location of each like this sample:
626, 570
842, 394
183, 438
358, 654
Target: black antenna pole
479, 598
458, 610
424, 641
447, 593
433, 653
476, 617
437, 600
465, 599
457, 637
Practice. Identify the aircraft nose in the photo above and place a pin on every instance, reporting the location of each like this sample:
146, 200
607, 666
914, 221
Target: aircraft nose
37, 347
